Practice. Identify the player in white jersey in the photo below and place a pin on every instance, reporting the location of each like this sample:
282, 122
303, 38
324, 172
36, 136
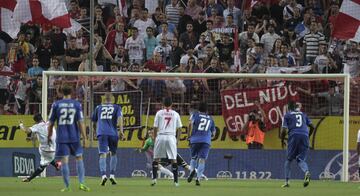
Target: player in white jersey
46, 149
167, 126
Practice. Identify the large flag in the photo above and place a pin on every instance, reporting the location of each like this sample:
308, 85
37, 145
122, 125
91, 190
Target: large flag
348, 21
43, 12
7, 24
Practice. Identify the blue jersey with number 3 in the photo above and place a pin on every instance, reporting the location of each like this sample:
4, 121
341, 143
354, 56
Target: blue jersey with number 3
106, 116
202, 127
296, 122
67, 113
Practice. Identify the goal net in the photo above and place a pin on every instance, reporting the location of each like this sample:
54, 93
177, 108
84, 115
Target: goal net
326, 99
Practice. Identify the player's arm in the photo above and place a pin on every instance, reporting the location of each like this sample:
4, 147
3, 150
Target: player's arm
312, 128
263, 115
82, 128
52, 118
24, 128
121, 127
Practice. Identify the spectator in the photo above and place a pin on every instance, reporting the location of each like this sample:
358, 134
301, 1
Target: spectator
244, 36
225, 48
212, 4
323, 62
170, 27
44, 53
58, 40
284, 52
158, 17
183, 21
35, 70
115, 38
189, 54
172, 12
4, 81
254, 128
164, 49
74, 9
143, 23
99, 26
311, 42
150, 42
269, 38
200, 48
81, 41
72, 56
276, 49
193, 9
200, 23
165, 33
155, 64
352, 59
135, 47
289, 9
334, 102
188, 39
234, 11
121, 57
176, 53
20, 94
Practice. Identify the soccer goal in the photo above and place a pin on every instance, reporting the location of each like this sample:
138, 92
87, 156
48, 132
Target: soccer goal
325, 98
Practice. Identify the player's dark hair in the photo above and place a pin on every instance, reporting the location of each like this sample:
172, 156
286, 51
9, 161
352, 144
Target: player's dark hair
167, 101
292, 105
37, 118
66, 89
203, 107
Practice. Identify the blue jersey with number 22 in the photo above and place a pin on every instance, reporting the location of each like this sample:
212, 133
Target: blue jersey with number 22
67, 113
296, 122
202, 127
106, 116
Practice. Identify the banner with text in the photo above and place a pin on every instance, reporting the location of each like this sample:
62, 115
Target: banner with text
130, 102
238, 103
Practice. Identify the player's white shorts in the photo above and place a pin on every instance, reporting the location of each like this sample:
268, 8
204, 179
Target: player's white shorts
358, 137
165, 147
46, 157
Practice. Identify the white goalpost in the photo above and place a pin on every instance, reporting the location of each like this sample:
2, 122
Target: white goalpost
344, 78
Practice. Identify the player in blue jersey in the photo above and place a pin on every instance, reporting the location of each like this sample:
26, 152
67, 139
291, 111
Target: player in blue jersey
108, 117
67, 114
296, 123
201, 128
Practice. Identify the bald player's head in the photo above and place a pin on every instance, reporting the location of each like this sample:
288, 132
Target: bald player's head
108, 97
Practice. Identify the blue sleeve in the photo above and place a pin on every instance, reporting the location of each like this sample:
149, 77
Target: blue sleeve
118, 112
308, 121
79, 112
53, 115
284, 123
94, 117
213, 128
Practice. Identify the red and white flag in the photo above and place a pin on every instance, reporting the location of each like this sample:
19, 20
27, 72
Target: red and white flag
43, 12
7, 23
348, 21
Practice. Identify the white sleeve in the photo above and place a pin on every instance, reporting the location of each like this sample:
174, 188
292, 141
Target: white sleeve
178, 122
156, 120
34, 129
358, 137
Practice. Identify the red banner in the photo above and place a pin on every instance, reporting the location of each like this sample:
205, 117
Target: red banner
237, 104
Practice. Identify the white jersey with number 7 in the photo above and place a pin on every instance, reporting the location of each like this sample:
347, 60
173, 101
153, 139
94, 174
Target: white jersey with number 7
167, 121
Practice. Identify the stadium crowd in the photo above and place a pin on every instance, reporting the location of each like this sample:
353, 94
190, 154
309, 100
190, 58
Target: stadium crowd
189, 36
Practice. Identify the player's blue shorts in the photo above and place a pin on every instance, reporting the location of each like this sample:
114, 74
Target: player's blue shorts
108, 143
298, 147
200, 150
66, 149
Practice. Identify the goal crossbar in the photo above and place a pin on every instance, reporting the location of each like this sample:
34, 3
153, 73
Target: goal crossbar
342, 77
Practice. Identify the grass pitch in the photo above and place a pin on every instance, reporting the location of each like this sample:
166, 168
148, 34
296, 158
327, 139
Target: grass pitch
141, 187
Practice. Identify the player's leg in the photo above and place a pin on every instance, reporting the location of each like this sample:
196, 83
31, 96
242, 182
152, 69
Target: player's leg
291, 154
159, 151
303, 148
202, 154
77, 150
46, 158
165, 171
193, 161
113, 145
155, 167
172, 154
63, 152
103, 150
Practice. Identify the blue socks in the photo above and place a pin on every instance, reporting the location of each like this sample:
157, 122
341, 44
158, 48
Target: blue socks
200, 169
287, 170
80, 170
193, 164
102, 165
113, 163
303, 165
65, 173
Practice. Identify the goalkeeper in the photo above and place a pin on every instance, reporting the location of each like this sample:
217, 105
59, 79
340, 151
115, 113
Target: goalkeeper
46, 150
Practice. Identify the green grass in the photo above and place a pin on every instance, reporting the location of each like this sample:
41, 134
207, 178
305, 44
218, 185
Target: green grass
141, 187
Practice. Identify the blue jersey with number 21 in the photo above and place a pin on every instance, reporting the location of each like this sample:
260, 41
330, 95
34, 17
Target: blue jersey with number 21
296, 122
106, 116
67, 113
202, 127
